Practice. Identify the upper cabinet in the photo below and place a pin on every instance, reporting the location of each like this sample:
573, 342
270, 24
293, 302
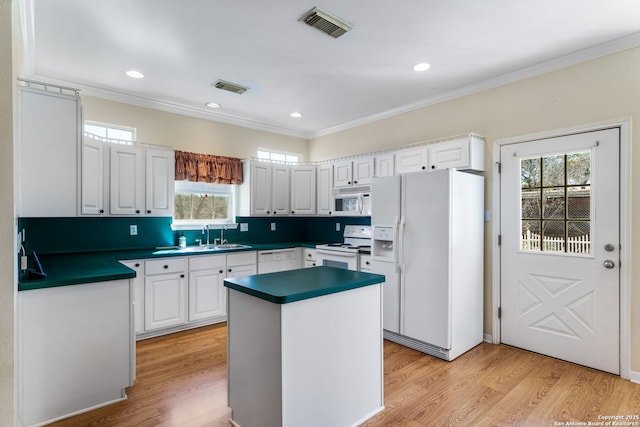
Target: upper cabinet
141, 180
48, 133
465, 153
323, 189
303, 190
358, 171
384, 164
93, 168
265, 189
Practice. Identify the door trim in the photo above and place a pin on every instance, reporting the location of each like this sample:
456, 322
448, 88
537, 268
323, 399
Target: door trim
624, 124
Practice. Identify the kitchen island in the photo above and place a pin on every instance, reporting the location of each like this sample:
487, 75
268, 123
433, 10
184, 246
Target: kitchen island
305, 348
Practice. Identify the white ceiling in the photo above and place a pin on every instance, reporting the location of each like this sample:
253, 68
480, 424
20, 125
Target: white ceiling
182, 47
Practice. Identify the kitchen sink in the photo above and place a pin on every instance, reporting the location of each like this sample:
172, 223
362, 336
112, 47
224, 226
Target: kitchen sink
206, 248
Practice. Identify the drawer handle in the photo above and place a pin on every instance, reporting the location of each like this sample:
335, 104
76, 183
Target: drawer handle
165, 266
182, 276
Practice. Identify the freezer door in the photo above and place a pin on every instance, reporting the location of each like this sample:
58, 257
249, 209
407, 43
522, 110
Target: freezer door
385, 203
426, 206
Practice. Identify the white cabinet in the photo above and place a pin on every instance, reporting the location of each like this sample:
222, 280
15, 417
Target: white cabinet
309, 257
465, 153
303, 190
206, 287
384, 164
323, 189
207, 294
265, 189
412, 159
93, 169
353, 172
141, 180
164, 293
159, 182
126, 177
48, 133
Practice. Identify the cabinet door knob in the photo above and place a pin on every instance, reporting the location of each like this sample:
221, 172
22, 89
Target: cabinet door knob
182, 276
424, 167
433, 166
221, 271
292, 212
355, 182
268, 212
137, 264
229, 270
348, 182
137, 211
166, 266
148, 211
101, 211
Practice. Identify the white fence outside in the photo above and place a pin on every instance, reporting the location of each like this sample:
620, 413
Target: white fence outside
575, 245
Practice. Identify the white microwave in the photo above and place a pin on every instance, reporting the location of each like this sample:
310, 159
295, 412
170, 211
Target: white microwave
352, 203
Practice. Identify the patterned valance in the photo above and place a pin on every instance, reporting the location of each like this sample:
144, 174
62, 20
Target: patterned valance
208, 168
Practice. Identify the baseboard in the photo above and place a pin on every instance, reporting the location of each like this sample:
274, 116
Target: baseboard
488, 338
634, 377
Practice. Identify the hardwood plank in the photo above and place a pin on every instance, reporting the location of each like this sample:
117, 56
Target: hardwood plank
181, 381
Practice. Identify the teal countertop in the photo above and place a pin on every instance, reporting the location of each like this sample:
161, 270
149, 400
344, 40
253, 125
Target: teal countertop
295, 285
88, 267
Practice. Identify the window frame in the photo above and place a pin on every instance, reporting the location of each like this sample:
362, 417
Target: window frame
230, 190
110, 126
271, 153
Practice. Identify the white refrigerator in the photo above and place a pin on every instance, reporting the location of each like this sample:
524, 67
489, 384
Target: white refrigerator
428, 234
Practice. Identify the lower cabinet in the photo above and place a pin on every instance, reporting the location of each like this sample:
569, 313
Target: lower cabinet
172, 294
164, 293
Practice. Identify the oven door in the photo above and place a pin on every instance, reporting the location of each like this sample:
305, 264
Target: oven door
329, 258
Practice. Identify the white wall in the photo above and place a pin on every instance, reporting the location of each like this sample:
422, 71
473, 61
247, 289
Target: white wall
7, 260
188, 133
595, 91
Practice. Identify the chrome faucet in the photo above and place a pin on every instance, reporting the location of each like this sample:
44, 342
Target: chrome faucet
206, 227
222, 239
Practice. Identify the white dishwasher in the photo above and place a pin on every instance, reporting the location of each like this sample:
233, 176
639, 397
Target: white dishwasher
278, 260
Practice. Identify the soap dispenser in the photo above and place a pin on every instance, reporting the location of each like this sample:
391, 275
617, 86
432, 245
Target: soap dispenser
182, 241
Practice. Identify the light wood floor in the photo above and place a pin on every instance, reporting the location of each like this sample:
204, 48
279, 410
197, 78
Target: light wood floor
181, 381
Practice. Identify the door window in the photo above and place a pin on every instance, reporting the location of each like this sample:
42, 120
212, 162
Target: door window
556, 203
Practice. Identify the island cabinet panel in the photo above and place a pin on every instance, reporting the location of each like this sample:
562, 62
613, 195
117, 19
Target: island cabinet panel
76, 349
292, 365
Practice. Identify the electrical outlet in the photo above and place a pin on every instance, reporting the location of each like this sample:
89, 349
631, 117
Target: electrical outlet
133, 230
487, 216
244, 226
337, 226
273, 226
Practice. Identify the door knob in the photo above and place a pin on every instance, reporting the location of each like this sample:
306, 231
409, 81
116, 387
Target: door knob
609, 264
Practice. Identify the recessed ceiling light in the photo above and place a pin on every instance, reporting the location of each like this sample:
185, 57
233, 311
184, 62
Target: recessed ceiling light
213, 105
296, 115
135, 74
423, 66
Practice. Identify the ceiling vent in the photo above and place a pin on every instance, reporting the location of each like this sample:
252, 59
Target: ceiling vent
231, 87
326, 22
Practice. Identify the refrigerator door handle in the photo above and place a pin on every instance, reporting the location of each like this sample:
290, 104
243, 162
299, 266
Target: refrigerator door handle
400, 240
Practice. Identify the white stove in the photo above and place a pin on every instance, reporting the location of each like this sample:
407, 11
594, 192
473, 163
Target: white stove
357, 240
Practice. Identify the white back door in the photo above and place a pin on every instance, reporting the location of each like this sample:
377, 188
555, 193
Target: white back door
560, 247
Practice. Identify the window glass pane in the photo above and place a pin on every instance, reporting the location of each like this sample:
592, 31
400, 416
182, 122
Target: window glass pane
579, 241
264, 154
278, 157
291, 159
530, 173
553, 199
579, 202
553, 236
96, 130
552, 171
203, 202
579, 168
530, 236
122, 134
531, 204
